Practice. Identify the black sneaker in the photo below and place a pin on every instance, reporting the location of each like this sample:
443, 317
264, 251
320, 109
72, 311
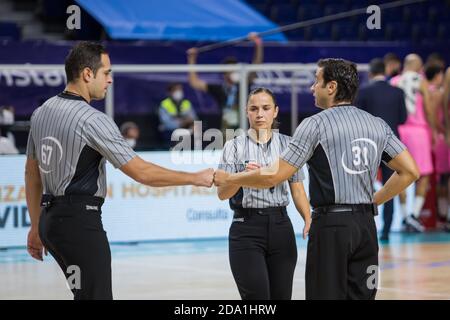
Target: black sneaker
384, 238
415, 224
447, 226
406, 227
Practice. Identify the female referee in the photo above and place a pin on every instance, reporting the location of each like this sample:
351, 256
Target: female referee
262, 245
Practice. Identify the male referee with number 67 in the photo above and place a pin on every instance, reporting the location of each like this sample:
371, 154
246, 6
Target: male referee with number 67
68, 145
343, 147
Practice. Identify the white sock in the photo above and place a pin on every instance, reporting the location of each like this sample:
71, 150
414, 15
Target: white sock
443, 207
403, 209
418, 205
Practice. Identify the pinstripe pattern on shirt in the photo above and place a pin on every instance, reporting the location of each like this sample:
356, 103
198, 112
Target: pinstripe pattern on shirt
243, 148
354, 141
60, 129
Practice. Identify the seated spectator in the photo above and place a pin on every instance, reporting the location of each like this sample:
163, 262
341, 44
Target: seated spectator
130, 131
175, 112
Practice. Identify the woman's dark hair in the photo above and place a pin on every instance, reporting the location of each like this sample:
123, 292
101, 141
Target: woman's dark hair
432, 70
275, 123
84, 54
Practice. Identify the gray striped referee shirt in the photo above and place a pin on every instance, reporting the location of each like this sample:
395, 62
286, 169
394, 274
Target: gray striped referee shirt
71, 142
242, 149
343, 147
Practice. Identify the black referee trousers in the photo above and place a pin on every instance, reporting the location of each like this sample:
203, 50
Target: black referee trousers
263, 253
71, 229
342, 254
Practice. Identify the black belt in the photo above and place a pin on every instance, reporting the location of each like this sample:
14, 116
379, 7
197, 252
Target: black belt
346, 208
262, 211
47, 200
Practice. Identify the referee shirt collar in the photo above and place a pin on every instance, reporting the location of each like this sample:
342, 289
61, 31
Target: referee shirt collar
341, 105
71, 96
261, 144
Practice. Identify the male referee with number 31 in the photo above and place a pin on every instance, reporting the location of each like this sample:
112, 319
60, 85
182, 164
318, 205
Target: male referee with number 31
343, 147
68, 145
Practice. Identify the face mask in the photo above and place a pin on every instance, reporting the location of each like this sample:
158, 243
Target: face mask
178, 95
131, 142
234, 77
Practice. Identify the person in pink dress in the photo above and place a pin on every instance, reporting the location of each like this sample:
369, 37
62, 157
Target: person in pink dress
435, 77
447, 102
415, 133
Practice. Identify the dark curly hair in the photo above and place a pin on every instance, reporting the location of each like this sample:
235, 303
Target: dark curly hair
84, 54
345, 74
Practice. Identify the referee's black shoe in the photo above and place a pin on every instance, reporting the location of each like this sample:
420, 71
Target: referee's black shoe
406, 227
412, 224
384, 237
447, 226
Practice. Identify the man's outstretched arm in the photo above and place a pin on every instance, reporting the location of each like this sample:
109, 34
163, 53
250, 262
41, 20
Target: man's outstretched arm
262, 178
153, 175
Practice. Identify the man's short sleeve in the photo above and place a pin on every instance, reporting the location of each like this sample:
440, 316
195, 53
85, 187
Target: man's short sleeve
228, 159
103, 135
31, 147
393, 145
303, 143
299, 175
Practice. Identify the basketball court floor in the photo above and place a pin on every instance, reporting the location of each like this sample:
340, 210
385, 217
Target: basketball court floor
415, 266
